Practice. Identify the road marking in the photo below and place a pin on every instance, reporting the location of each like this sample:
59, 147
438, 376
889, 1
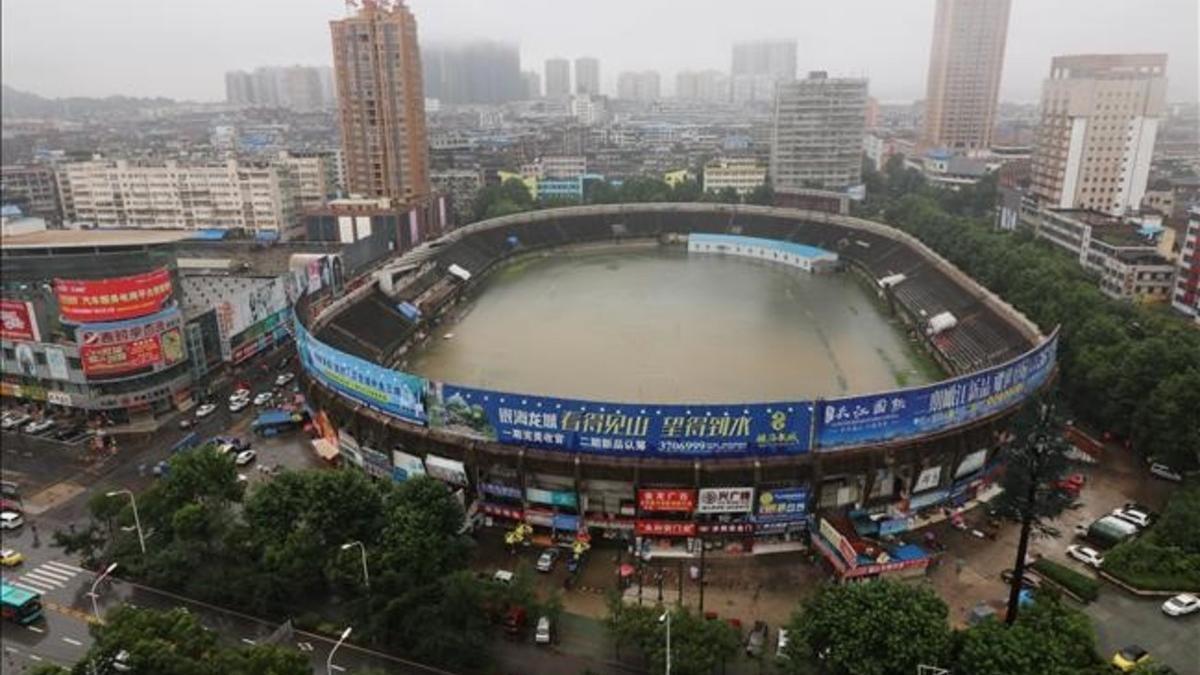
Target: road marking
51, 573
67, 568
50, 567
42, 586
35, 657
249, 641
24, 587
72, 641
304, 646
47, 576
337, 667
36, 629
14, 650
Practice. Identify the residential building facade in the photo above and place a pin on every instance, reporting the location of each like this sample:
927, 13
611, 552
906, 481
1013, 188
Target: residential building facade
965, 63
741, 174
758, 66
474, 72
300, 88
818, 130
587, 76
558, 77
638, 86
381, 103
531, 84
31, 188
461, 186
1186, 296
1099, 119
704, 85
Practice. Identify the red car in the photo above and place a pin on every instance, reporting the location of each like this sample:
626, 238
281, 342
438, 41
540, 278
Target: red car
1072, 484
9, 505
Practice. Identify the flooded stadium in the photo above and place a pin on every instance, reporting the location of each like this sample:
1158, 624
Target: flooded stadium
655, 324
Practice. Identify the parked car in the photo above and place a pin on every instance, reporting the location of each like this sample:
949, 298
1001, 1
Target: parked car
781, 647
9, 505
11, 558
542, 636
205, 410
1028, 579
263, 398
514, 622
1132, 515
284, 379
39, 426
546, 560
239, 393
1085, 555
1129, 658
1072, 484
757, 639
14, 421
244, 457
1181, 605
238, 405
11, 520
503, 576
1165, 472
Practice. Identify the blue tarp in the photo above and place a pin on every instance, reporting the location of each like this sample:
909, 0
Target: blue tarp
210, 234
268, 417
267, 235
409, 311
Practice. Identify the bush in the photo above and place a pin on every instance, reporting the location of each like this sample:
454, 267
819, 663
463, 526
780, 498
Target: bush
1149, 566
1081, 585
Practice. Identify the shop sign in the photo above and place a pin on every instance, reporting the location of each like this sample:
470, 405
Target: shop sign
499, 490
554, 497
539, 517
971, 463
884, 568
657, 499
894, 525
18, 321
664, 528
782, 505
113, 349
405, 466
89, 300
564, 521
446, 470
375, 463
58, 398
609, 523
928, 479
502, 511
839, 541
725, 528
56, 363
928, 499
725, 500
348, 445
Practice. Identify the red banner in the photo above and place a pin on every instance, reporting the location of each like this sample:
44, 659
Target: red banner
17, 321
667, 500
117, 350
664, 528
92, 300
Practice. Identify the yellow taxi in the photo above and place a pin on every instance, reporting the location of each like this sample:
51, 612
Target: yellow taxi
11, 558
1130, 658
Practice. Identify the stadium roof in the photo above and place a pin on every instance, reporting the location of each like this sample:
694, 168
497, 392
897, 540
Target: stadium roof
93, 238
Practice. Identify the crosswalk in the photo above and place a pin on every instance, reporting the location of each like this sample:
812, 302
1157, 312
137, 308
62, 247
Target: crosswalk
46, 577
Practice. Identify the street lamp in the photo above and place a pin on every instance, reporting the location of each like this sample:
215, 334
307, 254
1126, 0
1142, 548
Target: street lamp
362, 549
136, 520
666, 617
329, 661
105, 573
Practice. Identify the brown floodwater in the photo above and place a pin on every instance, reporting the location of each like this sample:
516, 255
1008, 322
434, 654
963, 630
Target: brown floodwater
655, 324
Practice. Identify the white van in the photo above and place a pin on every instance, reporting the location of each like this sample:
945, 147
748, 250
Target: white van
542, 636
11, 520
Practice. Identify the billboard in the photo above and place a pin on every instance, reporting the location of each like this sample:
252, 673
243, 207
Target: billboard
56, 363
122, 348
664, 528
604, 428
660, 499
448, 470
18, 322
252, 306
405, 466
782, 505
878, 418
971, 463
92, 300
725, 500
388, 391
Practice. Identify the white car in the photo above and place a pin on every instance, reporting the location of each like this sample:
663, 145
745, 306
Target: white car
542, 636
262, 398
545, 562
205, 410
1165, 472
240, 393
1182, 604
14, 421
238, 404
783, 642
39, 426
283, 379
503, 576
11, 520
244, 457
1085, 555
1131, 515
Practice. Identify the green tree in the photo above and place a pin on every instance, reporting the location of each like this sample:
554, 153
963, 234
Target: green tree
763, 195
880, 628
1049, 639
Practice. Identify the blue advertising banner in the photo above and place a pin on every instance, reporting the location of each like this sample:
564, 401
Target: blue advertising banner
860, 420
388, 391
622, 429
782, 505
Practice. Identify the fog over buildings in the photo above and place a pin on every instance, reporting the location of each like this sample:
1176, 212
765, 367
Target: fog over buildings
889, 42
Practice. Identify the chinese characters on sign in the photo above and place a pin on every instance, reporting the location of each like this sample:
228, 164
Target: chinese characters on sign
91, 300
664, 528
657, 499
726, 500
17, 321
112, 349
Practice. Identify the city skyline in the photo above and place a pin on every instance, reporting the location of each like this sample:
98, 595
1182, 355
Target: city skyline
895, 60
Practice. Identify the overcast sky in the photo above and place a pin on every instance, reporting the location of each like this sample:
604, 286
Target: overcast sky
181, 48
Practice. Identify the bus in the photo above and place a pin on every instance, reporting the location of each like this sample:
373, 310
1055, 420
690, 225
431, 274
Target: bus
20, 605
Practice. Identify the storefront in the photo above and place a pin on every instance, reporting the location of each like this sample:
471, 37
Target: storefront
850, 558
723, 519
665, 526
781, 520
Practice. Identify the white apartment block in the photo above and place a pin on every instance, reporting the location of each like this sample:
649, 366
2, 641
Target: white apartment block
170, 195
1186, 297
818, 130
1099, 119
741, 174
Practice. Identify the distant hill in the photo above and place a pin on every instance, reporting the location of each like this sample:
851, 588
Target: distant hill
17, 103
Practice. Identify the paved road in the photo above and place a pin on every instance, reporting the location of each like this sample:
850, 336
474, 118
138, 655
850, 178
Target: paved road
1122, 619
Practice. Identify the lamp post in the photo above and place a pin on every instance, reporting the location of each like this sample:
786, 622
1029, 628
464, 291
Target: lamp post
666, 617
363, 550
107, 571
329, 661
137, 521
